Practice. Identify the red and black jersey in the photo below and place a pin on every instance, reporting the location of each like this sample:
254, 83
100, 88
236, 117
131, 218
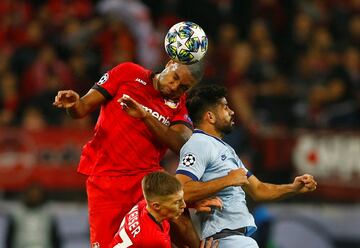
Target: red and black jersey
123, 144
139, 229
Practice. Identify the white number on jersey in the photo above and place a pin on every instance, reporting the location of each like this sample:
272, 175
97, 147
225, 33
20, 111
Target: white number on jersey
126, 241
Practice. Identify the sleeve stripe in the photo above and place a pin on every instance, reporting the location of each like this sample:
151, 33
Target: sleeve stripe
187, 173
103, 91
182, 122
249, 174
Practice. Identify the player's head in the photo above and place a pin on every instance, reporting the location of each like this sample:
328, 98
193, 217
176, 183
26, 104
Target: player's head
207, 105
164, 195
177, 78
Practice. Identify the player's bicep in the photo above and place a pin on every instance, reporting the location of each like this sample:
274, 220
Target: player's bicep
183, 178
253, 187
182, 129
93, 99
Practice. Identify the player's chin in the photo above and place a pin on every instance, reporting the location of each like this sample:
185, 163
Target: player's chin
168, 94
171, 97
176, 216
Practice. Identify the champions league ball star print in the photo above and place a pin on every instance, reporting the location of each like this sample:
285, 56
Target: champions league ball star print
188, 160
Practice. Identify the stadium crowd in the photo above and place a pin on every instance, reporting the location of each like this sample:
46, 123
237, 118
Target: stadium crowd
288, 64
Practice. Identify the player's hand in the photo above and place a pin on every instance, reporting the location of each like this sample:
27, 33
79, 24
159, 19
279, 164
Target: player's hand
304, 183
66, 99
238, 177
209, 243
207, 205
132, 107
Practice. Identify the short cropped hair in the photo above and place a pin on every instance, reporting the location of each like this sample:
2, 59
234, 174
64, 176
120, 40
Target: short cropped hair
197, 70
159, 184
201, 98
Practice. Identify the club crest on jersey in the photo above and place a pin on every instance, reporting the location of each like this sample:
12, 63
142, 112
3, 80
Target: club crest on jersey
171, 103
187, 117
103, 79
188, 160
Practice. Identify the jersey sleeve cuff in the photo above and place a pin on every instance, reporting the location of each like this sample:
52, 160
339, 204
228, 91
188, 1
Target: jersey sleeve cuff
187, 173
103, 91
248, 174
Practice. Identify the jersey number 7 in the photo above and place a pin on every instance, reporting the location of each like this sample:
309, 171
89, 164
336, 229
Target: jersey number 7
126, 241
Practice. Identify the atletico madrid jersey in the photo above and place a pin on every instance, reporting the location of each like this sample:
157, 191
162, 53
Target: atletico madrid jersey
139, 229
123, 144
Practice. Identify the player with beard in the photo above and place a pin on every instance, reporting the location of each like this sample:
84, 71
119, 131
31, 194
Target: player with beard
208, 166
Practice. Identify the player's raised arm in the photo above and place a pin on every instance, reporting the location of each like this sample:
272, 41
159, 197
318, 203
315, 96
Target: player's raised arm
174, 137
261, 191
198, 190
78, 107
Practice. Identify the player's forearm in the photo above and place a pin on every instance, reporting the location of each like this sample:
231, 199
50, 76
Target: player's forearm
86, 104
196, 191
183, 232
79, 110
269, 192
172, 139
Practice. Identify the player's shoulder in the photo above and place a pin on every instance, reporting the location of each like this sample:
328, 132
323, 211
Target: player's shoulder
201, 137
198, 141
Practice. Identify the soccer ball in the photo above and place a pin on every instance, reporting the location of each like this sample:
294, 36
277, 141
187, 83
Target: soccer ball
186, 42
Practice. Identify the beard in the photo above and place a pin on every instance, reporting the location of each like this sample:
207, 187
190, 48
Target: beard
225, 128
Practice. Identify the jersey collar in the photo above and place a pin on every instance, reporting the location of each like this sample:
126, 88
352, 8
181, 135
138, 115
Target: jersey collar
202, 132
157, 223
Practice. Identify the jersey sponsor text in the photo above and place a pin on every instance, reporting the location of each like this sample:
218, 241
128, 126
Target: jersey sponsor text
163, 119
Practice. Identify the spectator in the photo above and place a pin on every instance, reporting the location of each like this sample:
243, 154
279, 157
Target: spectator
33, 225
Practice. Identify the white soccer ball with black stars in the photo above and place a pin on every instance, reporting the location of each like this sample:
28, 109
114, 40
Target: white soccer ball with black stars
188, 160
186, 42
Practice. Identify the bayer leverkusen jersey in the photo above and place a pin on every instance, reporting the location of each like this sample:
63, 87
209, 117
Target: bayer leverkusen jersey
123, 144
139, 229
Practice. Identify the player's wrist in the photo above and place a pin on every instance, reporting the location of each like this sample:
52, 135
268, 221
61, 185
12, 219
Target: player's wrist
145, 115
293, 188
229, 181
71, 110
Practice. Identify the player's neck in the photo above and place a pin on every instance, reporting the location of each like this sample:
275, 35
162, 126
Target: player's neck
210, 129
154, 215
155, 81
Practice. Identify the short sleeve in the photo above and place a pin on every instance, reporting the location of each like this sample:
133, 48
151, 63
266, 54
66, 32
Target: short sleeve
109, 83
194, 159
248, 173
182, 116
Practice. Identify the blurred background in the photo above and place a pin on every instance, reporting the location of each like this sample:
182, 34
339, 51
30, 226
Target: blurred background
292, 69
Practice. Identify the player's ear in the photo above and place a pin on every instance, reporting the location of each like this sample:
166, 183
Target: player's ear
210, 117
155, 205
170, 62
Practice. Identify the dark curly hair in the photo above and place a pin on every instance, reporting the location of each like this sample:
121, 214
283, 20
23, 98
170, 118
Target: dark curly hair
201, 98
